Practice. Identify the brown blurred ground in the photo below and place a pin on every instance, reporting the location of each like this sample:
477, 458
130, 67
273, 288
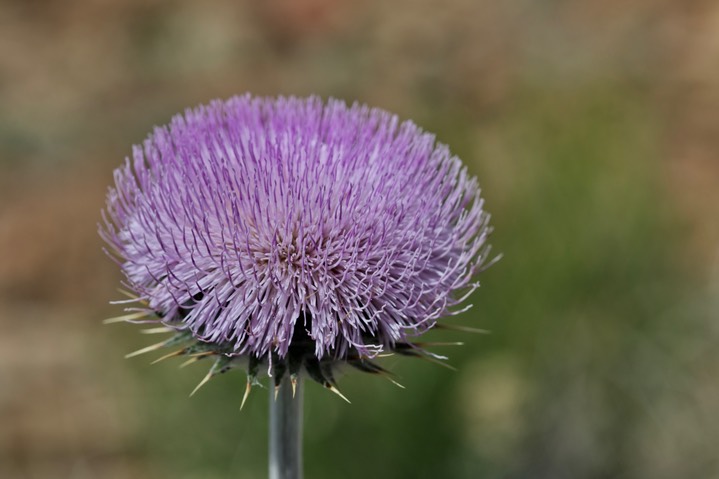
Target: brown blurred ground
80, 81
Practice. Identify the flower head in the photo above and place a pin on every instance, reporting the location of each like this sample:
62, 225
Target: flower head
295, 233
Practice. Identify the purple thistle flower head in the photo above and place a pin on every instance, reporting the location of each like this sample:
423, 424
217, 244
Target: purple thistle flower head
270, 228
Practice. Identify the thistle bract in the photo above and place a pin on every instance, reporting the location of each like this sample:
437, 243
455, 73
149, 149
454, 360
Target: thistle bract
295, 234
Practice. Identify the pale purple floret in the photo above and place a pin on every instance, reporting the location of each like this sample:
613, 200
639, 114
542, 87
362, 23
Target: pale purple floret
271, 211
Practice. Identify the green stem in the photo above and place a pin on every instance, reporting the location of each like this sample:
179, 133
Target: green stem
286, 431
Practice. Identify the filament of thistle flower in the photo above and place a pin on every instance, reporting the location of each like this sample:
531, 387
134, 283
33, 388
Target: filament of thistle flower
286, 430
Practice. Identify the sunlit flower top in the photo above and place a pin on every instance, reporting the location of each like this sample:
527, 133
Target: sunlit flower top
253, 224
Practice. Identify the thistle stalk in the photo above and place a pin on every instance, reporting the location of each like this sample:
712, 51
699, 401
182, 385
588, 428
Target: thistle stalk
286, 430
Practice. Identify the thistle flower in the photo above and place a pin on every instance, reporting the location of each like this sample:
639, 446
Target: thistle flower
294, 235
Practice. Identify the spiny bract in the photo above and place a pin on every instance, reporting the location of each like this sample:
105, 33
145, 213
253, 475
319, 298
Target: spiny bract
294, 234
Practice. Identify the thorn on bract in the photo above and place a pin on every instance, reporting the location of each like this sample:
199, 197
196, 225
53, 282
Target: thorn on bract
203, 382
247, 392
220, 366
159, 330
193, 359
148, 349
437, 361
367, 366
179, 352
293, 381
126, 317
393, 381
438, 343
463, 329
337, 392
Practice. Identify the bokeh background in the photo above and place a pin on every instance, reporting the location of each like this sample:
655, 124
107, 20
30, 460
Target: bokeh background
593, 127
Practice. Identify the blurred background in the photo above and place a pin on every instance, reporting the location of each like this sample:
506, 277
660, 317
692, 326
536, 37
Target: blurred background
593, 127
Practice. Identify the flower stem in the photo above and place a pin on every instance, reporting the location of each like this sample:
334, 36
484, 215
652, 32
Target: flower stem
286, 431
